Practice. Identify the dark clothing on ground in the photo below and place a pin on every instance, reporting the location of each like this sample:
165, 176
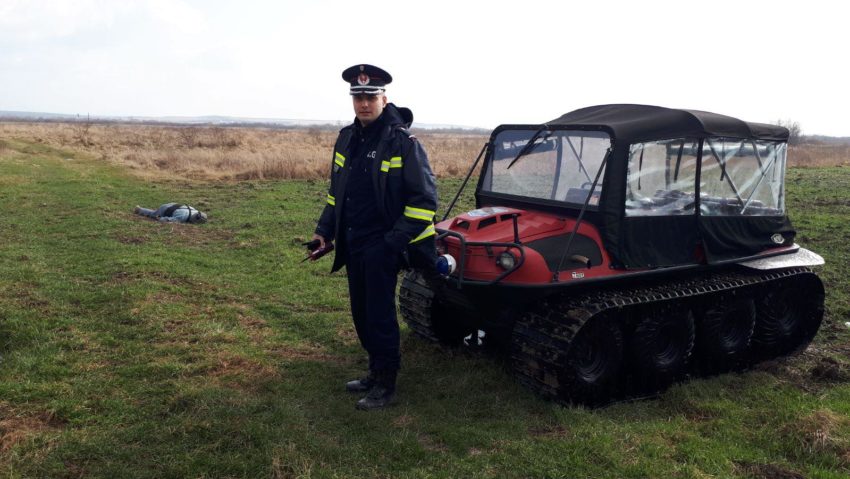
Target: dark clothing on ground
173, 213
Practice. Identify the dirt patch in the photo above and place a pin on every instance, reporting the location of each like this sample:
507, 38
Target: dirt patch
810, 371
831, 201
196, 235
74, 470
16, 427
289, 461
310, 308
829, 369
159, 297
692, 410
474, 451
347, 334
429, 443
256, 328
180, 328
789, 372
29, 301
123, 277
766, 471
554, 431
306, 352
232, 365
822, 431
252, 323
27, 297
403, 421
125, 239
187, 234
239, 372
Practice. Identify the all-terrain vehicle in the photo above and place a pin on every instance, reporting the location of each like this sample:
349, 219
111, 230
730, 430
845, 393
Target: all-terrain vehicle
619, 248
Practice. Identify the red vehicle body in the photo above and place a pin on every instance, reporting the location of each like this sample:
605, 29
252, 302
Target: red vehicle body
496, 225
619, 248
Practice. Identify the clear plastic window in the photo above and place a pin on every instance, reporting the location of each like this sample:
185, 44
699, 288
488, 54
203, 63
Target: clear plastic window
662, 178
742, 177
559, 165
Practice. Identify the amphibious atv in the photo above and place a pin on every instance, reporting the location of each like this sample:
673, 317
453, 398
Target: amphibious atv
619, 248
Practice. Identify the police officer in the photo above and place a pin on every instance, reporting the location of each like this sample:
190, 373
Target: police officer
380, 211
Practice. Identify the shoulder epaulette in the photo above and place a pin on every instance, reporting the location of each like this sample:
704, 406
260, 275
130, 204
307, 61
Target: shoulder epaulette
406, 132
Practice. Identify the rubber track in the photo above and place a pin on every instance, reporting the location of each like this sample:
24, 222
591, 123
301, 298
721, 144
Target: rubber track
542, 336
415, 298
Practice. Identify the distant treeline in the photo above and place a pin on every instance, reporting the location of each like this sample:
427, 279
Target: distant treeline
831, 140
275, 125
280, 125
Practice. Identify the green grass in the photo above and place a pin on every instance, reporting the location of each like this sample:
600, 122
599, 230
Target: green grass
130, 348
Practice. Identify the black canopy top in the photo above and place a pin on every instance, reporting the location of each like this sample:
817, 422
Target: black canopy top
631, 123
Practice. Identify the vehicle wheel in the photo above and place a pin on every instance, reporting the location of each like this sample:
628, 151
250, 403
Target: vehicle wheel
570, 358
725, 329
661, 346
426, 316
591, 370
788, 317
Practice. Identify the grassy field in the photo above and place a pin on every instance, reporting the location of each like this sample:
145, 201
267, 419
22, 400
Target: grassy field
130, 348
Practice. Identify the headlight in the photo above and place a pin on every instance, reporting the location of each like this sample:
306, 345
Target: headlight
446, 264
506, 260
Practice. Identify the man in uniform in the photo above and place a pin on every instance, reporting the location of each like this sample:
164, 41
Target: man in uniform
380, 211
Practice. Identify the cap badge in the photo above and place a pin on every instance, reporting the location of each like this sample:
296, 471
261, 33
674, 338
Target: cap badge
362, 79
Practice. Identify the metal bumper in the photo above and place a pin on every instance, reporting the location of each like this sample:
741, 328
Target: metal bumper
458, 277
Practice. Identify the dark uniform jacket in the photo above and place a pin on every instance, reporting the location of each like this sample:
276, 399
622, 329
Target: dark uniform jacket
402, 183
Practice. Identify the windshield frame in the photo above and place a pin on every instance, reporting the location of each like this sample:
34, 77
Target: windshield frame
485, 195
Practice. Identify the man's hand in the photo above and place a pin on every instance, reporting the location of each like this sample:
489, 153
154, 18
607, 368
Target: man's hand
318, 247
321, 240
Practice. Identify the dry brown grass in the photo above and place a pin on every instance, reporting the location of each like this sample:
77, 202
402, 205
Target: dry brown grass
16, 426
822, 431
811, 155
217, 153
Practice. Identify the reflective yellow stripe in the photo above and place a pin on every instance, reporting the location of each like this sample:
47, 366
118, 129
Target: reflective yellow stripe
429, 231
419, 213
395, 162
339, 159
331, 200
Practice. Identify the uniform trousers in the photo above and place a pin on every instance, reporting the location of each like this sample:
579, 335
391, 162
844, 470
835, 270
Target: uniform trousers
372, 270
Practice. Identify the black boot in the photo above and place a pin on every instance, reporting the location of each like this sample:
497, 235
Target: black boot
361, 385
382, 393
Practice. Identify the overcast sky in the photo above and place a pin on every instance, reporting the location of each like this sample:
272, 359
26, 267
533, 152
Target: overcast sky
453, 62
